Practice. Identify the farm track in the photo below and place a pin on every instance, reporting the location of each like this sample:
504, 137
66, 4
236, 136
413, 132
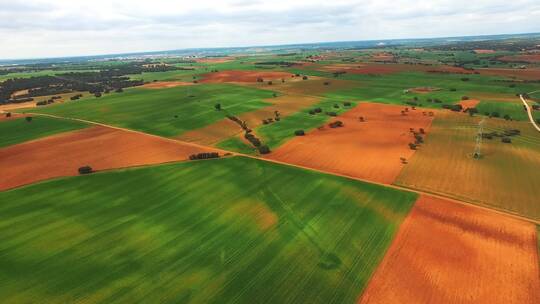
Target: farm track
449, 198
529, 112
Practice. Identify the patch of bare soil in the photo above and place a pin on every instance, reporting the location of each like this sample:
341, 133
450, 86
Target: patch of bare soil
371, 149
98, 147
445, 252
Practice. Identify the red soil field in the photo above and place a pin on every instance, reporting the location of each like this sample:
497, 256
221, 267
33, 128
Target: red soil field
470, 103
369, 150
484, 51
243, 76
526, 74
422, 90
446, 252
531, 58
374, 68
99, 147
215, 60
166, 84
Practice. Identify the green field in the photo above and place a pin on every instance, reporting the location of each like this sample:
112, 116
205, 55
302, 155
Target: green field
154, 110
236, 144
514, 110
234, 230
18, 130
277, 133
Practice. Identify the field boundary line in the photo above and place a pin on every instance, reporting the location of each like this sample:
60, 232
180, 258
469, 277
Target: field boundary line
392, 186
529, 112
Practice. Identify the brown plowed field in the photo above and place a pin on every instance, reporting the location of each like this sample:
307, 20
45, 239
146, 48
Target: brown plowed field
369, 150
525, 74
215, 59
225, 128
446, 252
99, 147
484, 51
373, 68
243, 76
531, 58
166, 84
470, 103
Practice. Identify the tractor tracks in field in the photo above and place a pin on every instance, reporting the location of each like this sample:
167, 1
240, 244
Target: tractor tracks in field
392, 186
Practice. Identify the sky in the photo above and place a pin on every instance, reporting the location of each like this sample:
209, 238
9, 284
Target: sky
57, 28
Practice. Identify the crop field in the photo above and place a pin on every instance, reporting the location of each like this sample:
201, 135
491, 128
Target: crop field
369, 149
18, 130
205, 232
445, 246
393, 171
99, 147
506, 176
154, 111
224, 129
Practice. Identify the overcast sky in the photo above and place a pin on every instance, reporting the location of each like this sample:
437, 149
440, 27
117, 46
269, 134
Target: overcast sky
52, 28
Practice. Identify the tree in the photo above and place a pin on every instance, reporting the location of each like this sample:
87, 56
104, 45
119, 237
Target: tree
85, 170
218, 106
264, 149
28, 118
8, 114
304, 77
299, 133
507, 117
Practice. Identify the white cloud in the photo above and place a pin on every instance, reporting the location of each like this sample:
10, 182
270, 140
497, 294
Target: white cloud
41, 28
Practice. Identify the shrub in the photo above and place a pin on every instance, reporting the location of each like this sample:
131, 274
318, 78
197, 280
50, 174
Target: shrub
97, 95
495, 114
465, 79
331, 114
506, 140
317, 110
312, 112
326, 83
464, 97
347, 103
204, 155
422, 131
412, 146
507, 117
453, 89
270, 83
260, 79
304, 77
41, 103
218, 106
336, 106
336, 124
85, 170
8, 114
119, 90
299, 133
28, 118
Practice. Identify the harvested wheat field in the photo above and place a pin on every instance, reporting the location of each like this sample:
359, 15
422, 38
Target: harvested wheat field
446, 252
225, 128
99, 147
505, 177
243, 76
165, 84
370, 150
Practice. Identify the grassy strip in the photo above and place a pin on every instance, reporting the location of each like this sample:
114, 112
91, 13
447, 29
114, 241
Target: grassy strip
217, 231
19, 130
